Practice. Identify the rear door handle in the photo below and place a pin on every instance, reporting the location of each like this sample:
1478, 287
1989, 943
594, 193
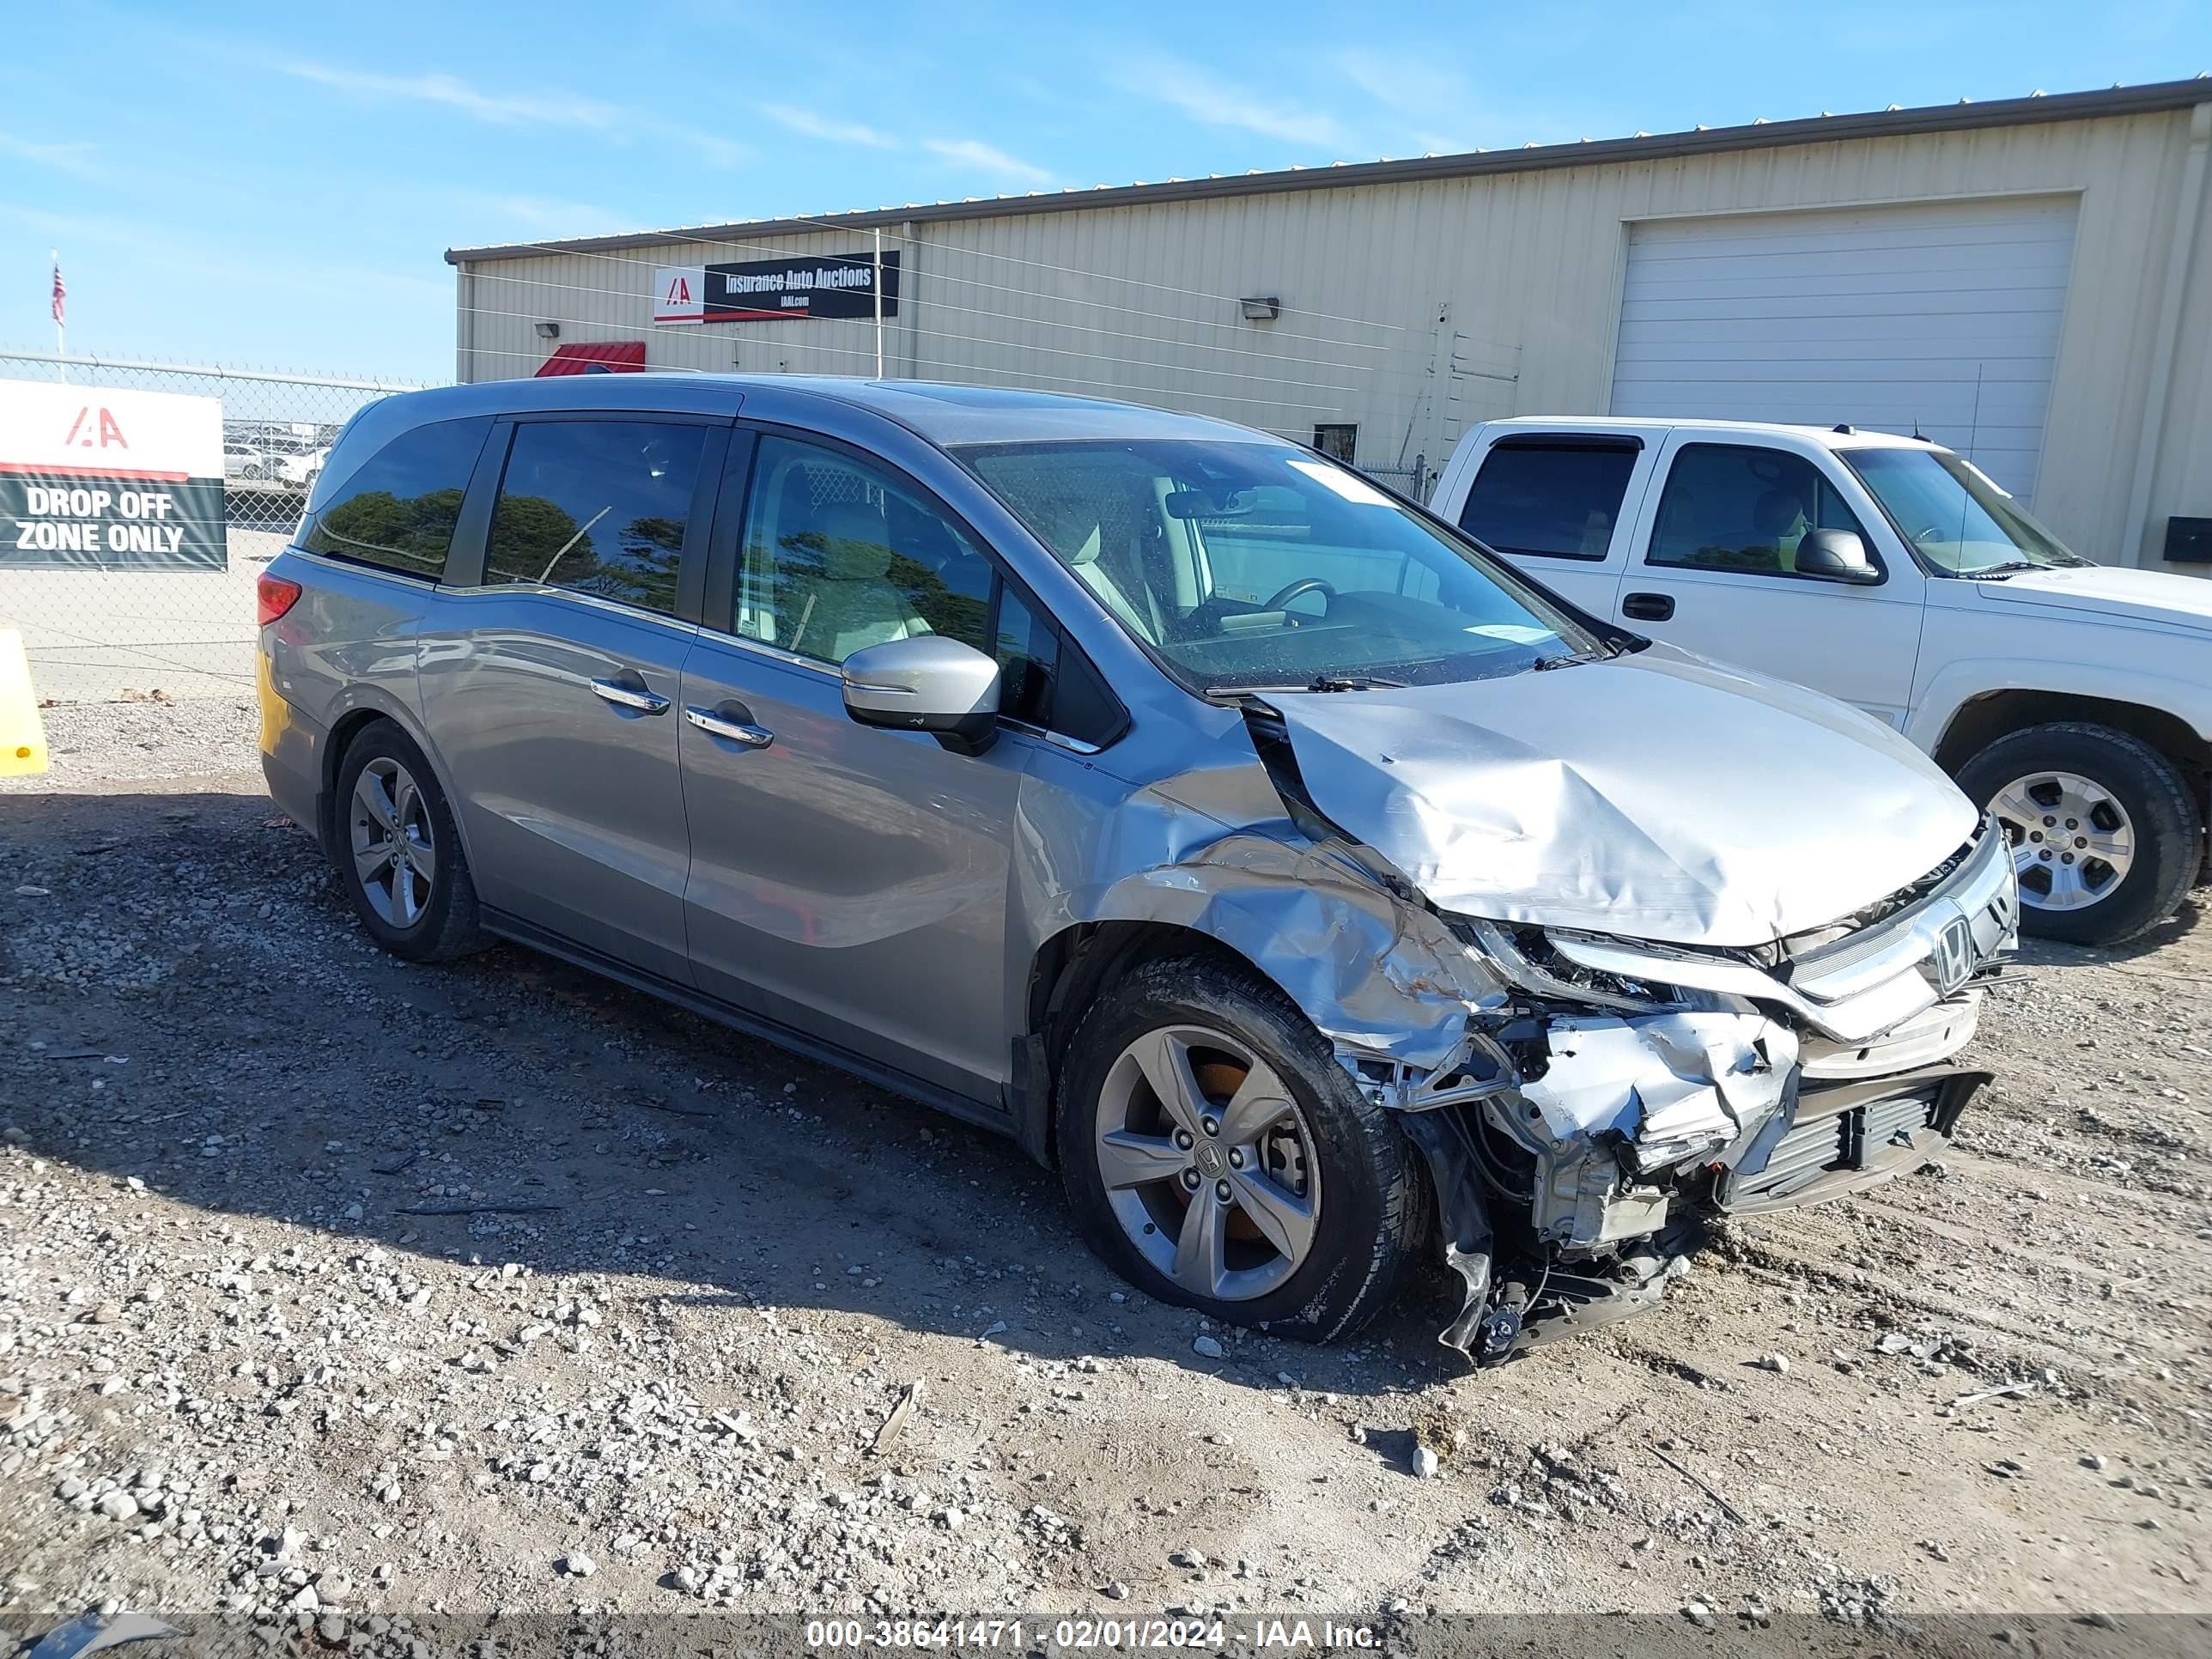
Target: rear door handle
732, 719
625, 695
1647, 607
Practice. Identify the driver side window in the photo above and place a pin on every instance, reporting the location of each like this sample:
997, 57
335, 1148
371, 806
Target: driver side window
1742, 508
839, 556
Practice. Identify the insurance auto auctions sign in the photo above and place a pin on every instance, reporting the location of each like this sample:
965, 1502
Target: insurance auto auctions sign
90, 477
772, 290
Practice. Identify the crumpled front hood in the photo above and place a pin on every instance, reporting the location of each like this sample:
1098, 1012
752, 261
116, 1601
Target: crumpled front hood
2158, 596
1657, 796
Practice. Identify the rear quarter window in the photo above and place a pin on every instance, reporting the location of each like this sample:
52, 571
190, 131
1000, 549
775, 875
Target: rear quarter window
398, 510
1556, 500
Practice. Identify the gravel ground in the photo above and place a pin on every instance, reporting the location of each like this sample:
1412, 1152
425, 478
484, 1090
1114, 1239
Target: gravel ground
741, 1333
180, 743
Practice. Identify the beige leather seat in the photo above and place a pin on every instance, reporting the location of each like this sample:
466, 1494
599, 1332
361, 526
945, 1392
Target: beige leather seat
835, 592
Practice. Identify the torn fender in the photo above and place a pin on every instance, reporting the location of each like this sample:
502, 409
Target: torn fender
1463, 1220
1375, 975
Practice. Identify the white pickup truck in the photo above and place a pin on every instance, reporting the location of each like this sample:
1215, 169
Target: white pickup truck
2075, 699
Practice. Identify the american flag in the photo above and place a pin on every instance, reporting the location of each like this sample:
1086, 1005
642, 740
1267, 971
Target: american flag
60, 293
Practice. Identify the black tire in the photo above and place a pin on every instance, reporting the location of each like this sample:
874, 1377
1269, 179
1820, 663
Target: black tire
447, 925
1375, 1202
2148, 786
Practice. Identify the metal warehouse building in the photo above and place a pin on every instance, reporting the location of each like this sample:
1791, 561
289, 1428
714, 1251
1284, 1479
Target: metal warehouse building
2028, 281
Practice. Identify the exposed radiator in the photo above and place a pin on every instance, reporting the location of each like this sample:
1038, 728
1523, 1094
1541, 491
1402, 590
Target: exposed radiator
1849, 1136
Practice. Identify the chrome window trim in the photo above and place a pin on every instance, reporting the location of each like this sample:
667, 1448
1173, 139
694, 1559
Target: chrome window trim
293, 549
1058, 739
574, 596
830, 670
776, 653
481, 590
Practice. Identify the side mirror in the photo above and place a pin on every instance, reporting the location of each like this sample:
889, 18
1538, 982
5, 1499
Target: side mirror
1835, 555
927, 683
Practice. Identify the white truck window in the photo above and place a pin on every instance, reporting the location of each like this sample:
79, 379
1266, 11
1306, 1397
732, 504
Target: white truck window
1557, 498
1745, 508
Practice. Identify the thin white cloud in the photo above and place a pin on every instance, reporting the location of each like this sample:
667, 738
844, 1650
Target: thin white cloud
1419, 92
500, 109
838, 132
1431, 108
249, 272
967, 152
973, 152
535, 212
554, 107
76, 159
1207, 99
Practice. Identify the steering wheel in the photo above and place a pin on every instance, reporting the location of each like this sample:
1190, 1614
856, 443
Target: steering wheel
1298, 589
1934, 532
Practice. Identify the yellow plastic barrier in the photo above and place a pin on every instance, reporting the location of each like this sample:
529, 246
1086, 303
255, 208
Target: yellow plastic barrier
22, 737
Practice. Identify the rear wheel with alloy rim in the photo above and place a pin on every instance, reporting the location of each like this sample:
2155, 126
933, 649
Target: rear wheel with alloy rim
395, 849
398, 851
1219, 1157
2105, 835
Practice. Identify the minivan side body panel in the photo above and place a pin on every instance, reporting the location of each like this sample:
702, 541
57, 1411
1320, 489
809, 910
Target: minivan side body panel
847, 878
571, 801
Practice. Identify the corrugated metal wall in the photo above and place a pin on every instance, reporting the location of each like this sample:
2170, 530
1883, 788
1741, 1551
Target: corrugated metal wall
1415, 310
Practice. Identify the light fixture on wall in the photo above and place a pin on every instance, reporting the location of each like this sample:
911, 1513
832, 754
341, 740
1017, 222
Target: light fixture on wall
1261, 308
549, 331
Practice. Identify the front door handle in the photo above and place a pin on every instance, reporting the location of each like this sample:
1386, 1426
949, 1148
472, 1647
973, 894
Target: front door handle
733, 721
624, 694
1647, 607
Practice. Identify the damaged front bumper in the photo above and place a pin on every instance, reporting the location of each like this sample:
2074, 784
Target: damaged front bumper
1593, 1124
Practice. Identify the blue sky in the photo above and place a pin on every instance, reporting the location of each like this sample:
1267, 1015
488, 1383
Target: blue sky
275, 185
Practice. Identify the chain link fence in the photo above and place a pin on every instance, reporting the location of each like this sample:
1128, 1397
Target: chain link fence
1413, 482
101, 635
96, 633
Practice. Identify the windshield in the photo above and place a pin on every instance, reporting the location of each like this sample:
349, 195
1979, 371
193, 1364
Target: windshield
1958, 521
1257, 564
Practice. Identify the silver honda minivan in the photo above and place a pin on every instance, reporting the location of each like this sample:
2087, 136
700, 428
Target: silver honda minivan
1306, 885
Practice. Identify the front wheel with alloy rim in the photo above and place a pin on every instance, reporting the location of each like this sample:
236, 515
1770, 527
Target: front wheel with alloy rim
1218, 1155
399, 852
2105, 835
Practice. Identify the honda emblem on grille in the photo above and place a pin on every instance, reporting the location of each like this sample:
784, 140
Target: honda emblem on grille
1954, 956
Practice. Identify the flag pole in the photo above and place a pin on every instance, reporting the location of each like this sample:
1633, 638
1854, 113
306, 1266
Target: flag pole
61, 329
878, 284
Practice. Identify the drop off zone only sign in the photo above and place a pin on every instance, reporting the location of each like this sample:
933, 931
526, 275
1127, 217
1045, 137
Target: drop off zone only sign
124, 480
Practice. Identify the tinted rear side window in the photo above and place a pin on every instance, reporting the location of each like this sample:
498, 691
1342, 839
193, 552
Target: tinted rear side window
598, 506
1560, 501
398, 511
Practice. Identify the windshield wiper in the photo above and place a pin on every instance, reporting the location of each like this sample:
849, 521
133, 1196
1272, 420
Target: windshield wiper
1318, 683
1571, 660
2009, 567
1353, 682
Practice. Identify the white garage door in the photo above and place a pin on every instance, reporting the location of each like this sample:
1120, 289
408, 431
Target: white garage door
1944, 316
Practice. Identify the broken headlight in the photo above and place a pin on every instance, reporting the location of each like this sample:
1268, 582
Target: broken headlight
1523, 957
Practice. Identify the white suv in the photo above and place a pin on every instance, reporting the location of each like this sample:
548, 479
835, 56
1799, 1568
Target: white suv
2074, 699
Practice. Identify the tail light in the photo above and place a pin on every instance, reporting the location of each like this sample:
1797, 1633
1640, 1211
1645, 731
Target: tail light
276, 596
